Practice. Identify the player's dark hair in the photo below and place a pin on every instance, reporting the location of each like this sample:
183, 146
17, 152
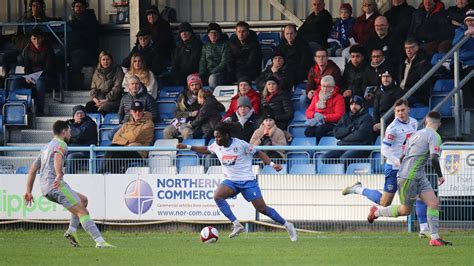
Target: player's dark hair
243, 24
434, 115
59, 126
400, 102
225, 128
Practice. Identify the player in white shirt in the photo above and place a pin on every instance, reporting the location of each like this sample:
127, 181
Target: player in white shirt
236, 157
396, 135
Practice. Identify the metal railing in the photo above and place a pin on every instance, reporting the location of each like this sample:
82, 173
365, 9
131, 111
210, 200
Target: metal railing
454, 52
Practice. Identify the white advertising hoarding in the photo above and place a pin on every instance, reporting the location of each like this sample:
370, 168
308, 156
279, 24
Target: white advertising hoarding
458, 170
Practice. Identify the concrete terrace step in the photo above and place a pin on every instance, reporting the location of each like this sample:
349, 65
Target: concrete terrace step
36, 135
23, 153
46, 122
59, 109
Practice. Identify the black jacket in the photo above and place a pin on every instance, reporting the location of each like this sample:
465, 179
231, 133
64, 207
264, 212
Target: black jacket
245, 58
39, 60
143, 96
209, 116
84, 133
354, 129
372, 78
418, 69
282, 108
246, 131
186, 59
316, 28
152, 56
298, 57
353, 78
399, 18
284, 76
392, 46
428, 27
162, 36
384, 98
85, 33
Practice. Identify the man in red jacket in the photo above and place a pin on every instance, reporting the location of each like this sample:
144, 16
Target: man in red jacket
325, 110
245, 89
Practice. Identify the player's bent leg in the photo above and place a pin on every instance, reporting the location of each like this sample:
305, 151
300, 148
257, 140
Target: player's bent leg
386, 199
89, 225
263, 208
223, 192
432, 202
71, 234
390, 211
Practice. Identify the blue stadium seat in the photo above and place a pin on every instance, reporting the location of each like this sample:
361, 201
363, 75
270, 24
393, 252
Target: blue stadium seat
186, 160
268, 170
159, 132
443, 85
22, 170
267, 53
104, 138
97, 117
166, 109
3, 98
298, 158
303, 169
328, 141
377, 167
331, 169
111, 119
370, 110
377, 141
359, 168
299, 116
15, 114
303, 141
170, 93
419, 112
297, 130
194, 142
267, 38
21, 95
300, 89
204, 38
445, 109
297, 105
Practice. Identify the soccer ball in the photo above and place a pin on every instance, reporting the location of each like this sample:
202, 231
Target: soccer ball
209, 234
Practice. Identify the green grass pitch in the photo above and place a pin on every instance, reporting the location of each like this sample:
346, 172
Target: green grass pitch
270, 248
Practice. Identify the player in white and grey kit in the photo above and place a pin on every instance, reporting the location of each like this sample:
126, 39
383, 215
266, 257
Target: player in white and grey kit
236, 157
396, 135
50, 163
412, 180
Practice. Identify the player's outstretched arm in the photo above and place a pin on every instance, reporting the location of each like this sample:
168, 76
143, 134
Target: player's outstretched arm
264, 157
28, 197
198, 149
437, 168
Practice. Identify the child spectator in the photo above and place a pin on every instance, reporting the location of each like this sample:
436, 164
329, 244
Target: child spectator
341, 30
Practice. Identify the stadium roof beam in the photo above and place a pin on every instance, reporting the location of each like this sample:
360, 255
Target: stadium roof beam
286, 12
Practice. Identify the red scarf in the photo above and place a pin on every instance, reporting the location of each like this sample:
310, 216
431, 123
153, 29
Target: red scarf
269, 97
40, 49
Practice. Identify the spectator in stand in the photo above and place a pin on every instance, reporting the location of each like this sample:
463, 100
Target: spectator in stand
187, 110
152, 56
354, 73
466, 55
139, 68
278, 70
278, 102
355, 128
268, 134
245, 89
378, 65
83, 133
138, 131
384, 39
296, 52
341, 30
412, 69
106, 87
325, 110
399, 18
36, 12
385, 96
364, 25
316, 27
38, 59
323, 67
136, 92
160, 30
215, 57
209, 115
430, 26
187, 54
244, 119
457, 12
83, 40
245, 53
